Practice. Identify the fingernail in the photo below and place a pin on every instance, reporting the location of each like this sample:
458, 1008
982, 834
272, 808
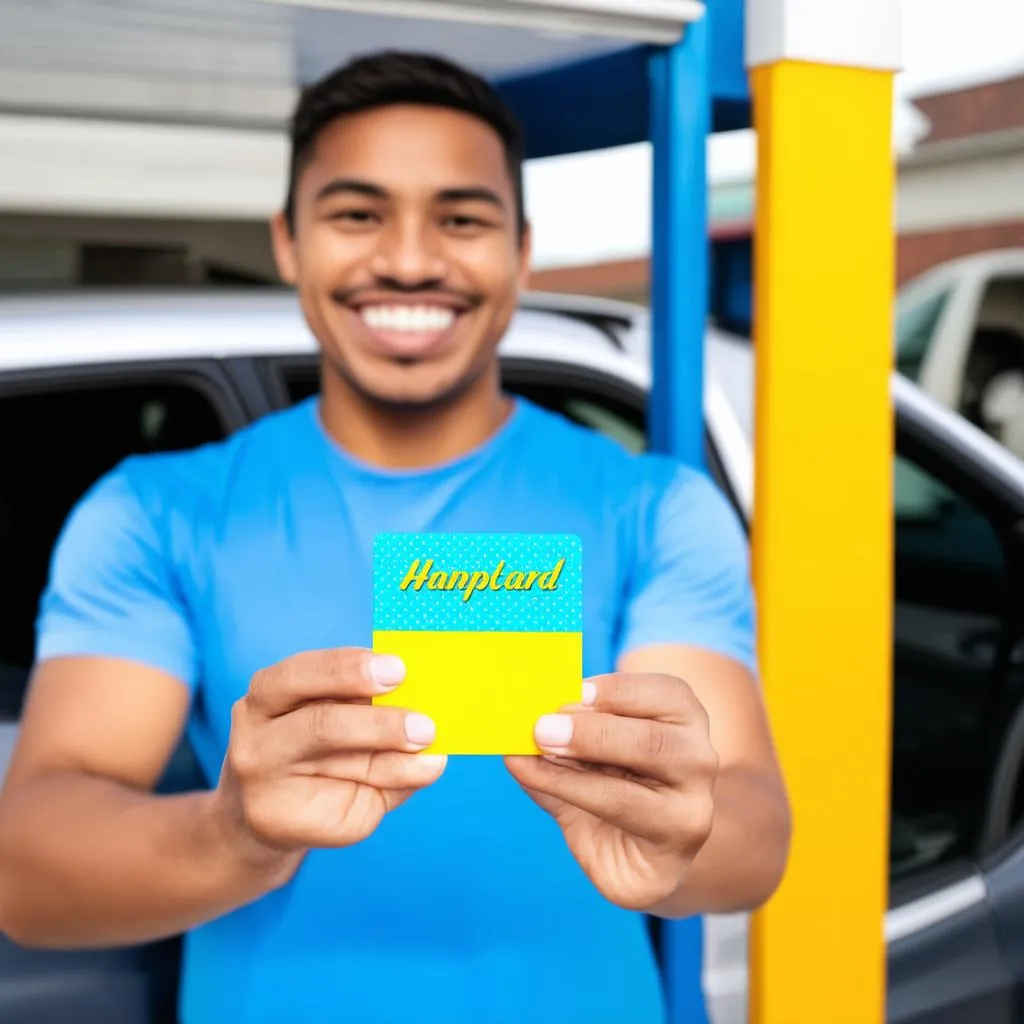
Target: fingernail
387, 670
553, 731
433, 761
419, 729
589, 693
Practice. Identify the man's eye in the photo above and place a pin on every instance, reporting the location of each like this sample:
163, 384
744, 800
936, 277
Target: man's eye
353, 216
464, 221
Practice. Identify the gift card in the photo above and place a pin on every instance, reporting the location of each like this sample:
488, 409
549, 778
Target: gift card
490, 627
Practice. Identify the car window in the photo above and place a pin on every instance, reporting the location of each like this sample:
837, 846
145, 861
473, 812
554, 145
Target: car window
916, 320
993, 380
300, 380
626, 430
617, 418
56, 439
953, 680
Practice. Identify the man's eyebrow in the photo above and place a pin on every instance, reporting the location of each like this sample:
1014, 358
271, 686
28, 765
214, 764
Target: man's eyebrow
353, 185
468, 194
357, 186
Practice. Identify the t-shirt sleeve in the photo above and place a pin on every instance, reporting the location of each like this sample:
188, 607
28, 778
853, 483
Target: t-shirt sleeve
691, 583
111, 588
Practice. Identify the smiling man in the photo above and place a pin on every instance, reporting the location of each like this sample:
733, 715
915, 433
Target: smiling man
330, 872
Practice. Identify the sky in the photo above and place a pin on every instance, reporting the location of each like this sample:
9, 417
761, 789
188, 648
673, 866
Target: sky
595, 206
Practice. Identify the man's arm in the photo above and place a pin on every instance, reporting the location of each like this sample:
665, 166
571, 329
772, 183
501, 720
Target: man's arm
742, 862
88, 856
692, 616
664, 780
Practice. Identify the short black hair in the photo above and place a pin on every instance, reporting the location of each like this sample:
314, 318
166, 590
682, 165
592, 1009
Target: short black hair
393, 77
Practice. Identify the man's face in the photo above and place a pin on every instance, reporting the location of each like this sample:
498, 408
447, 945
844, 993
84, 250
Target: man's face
405, 252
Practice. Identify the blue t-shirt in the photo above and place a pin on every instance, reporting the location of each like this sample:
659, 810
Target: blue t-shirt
465, 906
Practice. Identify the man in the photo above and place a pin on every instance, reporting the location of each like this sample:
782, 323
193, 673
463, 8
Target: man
331, 873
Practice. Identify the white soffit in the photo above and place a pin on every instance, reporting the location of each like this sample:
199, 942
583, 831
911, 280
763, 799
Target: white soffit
88, 166
650, 21
852, 33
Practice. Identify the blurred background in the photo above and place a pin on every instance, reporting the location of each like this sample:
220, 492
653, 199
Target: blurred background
142, 150
142, 146
142, 143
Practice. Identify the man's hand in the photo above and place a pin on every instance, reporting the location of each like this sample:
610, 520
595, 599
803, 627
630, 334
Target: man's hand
89, 857
629, 775
311, 762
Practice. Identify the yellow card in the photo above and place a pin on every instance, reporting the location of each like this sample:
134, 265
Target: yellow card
490, 627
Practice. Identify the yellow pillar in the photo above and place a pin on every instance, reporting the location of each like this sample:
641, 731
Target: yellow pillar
822, 80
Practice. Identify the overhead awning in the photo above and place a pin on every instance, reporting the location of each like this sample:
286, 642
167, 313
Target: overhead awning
238, 63
584, 74
179, 107
650, 21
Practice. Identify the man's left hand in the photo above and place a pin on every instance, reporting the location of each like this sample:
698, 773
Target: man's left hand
629, 775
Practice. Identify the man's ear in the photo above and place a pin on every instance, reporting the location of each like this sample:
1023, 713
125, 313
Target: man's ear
525, 257
283, 242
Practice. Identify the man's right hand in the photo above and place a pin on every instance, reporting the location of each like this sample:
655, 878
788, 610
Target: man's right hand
312, 763
89, 856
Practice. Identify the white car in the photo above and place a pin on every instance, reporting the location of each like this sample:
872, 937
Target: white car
87, 379
960, 336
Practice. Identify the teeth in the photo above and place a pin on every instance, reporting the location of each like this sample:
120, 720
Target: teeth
408, 318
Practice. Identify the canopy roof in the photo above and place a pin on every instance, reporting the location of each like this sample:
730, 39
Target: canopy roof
575, 70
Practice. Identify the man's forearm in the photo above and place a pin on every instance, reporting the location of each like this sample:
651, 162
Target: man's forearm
743, 860
87, 862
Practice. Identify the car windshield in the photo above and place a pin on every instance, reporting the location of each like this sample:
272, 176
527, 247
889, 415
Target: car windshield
917, 316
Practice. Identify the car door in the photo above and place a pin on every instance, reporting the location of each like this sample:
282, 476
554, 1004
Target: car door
959, 582
60, 429
957, 683
1004, 858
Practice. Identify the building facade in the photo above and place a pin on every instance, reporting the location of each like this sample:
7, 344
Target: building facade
960, 191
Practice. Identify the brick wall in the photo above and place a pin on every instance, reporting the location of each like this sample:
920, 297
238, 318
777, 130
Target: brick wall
915, 253
992, 107
616, 279
918, 252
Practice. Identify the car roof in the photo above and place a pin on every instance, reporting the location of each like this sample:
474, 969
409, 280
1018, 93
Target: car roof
975, 266
54, 329
83, 327
95, 327
92, 326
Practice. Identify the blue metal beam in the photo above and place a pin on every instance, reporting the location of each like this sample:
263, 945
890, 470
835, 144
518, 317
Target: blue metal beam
680, 121
728, 69
610, 98
673, 97
607, 98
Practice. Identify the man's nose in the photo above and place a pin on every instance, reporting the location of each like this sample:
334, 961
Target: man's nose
409, 253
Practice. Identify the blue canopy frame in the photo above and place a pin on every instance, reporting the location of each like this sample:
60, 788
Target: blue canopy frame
674, 97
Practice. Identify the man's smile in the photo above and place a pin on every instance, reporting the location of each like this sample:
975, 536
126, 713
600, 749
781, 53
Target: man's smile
414, 319
404, 330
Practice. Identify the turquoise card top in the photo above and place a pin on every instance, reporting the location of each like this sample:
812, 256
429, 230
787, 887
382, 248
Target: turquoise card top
503, 582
